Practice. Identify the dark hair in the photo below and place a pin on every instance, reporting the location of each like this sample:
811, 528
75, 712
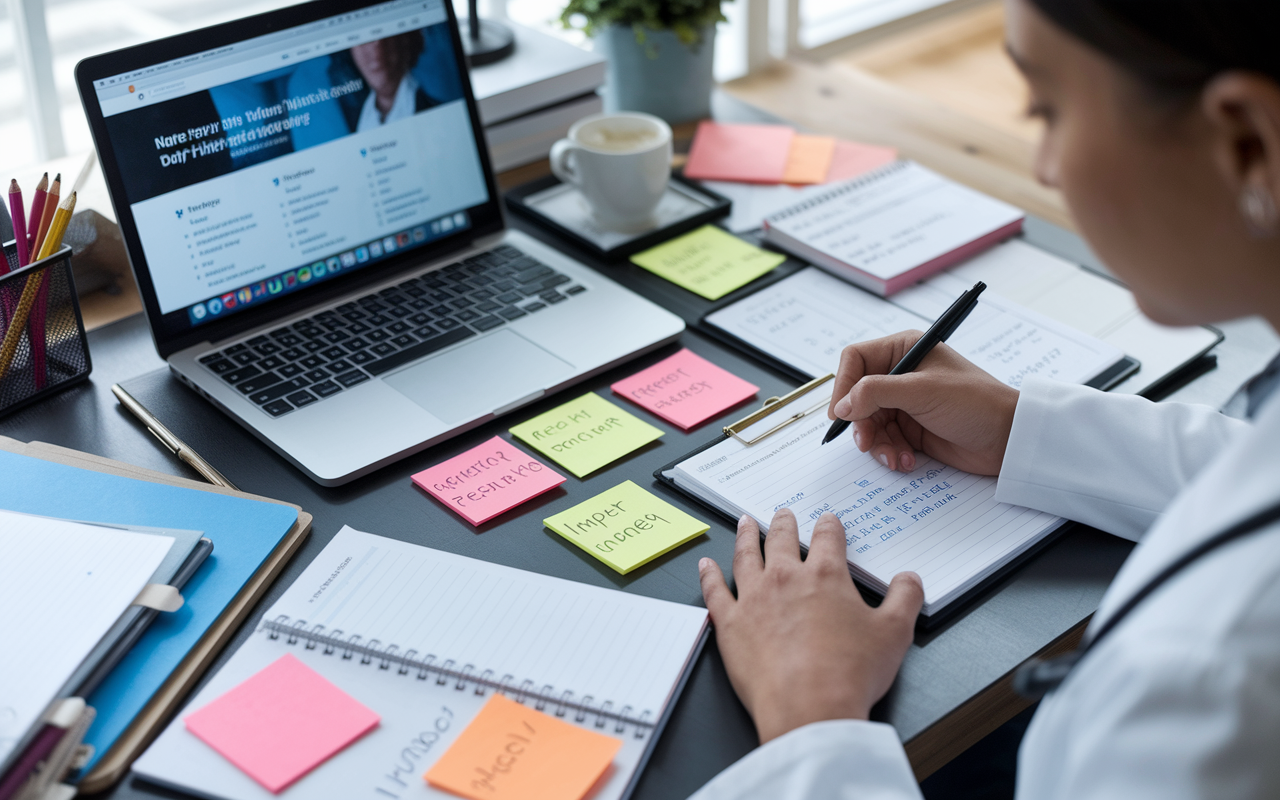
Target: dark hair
1174, 47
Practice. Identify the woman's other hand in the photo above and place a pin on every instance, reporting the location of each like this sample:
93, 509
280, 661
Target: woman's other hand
949, 409
799, 642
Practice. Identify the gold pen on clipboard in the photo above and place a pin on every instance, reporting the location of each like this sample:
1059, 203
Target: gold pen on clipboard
742, 429
172, 443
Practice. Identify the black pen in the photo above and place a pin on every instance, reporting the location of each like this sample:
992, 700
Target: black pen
938, 332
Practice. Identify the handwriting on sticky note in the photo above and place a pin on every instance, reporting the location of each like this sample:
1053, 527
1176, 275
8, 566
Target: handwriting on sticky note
809, 159
626, 526
586, 434
685, 389
485, 481
709, 261
511, 751
281, 723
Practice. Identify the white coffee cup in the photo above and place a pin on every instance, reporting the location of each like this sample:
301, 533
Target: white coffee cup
621, 163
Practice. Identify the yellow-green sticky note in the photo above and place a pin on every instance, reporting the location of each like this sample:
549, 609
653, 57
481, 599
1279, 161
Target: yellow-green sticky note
585, 434
626, 526
709, 261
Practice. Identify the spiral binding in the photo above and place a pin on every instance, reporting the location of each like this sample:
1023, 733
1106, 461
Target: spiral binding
446, 671
844, 188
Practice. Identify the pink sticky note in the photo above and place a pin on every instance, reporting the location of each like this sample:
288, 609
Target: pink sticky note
685, 389
747, 153
487, 480
851, 159
282, 723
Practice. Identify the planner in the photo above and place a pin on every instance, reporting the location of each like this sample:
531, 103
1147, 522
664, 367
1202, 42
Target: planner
423, 638
892, 227
937, 521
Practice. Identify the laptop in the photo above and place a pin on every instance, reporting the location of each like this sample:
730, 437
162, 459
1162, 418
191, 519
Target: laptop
309, 209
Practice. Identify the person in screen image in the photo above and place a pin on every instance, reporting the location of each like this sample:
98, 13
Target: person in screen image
1162, 130
385, 65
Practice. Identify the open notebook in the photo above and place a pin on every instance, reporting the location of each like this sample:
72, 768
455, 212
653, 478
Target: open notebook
422, 638
937, 521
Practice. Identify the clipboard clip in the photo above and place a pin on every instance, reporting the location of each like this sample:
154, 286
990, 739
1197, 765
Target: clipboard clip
771, 406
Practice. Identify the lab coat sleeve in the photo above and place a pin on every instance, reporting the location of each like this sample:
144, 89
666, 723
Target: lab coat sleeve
833, 760
1111, 461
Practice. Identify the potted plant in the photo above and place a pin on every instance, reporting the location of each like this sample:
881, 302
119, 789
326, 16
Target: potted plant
660, 53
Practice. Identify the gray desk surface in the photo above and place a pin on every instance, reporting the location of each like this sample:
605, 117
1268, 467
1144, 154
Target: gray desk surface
1023, 613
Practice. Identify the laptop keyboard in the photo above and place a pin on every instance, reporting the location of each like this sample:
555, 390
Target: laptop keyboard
322, 355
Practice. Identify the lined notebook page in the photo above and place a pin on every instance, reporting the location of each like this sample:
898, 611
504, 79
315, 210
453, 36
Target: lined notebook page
618, 647
938, 521
591, 641
806, 319
62, 586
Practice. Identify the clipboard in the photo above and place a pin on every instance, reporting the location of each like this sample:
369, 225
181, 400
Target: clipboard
756, 427
166, 699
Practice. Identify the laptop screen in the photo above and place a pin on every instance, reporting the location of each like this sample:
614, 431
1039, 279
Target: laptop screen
271, 165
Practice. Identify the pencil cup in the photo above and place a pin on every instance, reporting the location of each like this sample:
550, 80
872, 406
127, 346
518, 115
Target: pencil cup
43, 348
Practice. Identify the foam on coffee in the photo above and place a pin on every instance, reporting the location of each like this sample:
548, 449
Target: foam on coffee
619, 136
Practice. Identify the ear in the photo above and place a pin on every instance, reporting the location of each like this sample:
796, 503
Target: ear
1243, 110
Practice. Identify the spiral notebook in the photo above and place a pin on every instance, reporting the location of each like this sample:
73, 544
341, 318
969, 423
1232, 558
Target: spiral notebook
423, 638
893, 227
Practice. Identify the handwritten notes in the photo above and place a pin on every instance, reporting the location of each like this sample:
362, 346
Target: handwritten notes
809, 159
485, 481
281, 723
626, 527
708, 261
685, 389
511, 751
584, 435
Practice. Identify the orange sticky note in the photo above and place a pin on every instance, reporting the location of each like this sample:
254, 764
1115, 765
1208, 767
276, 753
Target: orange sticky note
809, 159
851, 159
510, 752
281, 723
747, 153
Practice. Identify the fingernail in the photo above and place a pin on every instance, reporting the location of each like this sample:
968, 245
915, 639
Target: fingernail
908, 461
857, 439
843, 407
742, 521
704, 565
883, 459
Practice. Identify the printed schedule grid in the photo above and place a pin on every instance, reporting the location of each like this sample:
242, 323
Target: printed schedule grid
937, 521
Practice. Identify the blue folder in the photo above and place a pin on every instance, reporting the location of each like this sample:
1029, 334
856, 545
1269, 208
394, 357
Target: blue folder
244, 533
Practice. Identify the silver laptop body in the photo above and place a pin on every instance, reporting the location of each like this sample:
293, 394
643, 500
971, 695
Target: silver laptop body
344, 286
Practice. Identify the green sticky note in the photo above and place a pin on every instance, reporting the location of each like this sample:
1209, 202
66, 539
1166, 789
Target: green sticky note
626, 526
709, 261
585, 434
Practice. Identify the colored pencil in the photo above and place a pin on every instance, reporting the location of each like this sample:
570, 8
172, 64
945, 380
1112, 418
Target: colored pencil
37, 211
52, 241
19, 216
46, 216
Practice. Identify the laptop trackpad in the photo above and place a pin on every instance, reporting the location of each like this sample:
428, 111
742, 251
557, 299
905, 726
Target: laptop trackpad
474, 379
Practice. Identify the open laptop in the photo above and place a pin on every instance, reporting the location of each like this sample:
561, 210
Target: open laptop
308, 206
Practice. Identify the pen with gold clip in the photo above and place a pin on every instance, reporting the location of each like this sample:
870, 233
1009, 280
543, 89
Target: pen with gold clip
175, 445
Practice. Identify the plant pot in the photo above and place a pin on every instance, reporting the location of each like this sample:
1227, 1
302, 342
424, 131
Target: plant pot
663, 76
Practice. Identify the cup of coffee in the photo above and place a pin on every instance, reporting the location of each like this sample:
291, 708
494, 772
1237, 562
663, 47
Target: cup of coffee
621, 163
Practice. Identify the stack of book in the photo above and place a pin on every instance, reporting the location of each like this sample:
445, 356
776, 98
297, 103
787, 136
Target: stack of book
529, 100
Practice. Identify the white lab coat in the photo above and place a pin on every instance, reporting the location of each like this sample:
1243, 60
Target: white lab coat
1182, 700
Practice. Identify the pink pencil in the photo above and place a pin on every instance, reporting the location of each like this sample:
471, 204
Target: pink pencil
19, 224
37, 210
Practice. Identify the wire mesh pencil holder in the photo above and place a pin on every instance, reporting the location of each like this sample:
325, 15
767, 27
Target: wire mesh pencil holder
43, 348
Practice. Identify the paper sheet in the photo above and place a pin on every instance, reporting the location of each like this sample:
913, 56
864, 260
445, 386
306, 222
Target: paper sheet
685, 389
708, 261
281, 723
733, 152
510, 752
62, 586
487, 480
809, 159
851, 159
626, 527
806, 319
586, 434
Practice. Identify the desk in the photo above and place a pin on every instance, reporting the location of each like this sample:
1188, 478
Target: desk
953, 686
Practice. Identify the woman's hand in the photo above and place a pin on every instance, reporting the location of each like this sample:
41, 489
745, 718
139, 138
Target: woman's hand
948, 408
799, 642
